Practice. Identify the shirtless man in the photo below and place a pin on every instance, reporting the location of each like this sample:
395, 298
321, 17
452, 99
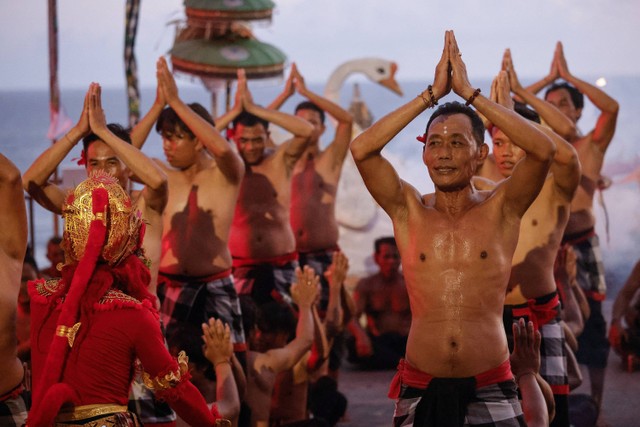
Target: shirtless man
383, 298
55, 255
315, 180
591, 147
456, 247
541, 230
204, 175
269, 353
107, 148
13, 246
262, 242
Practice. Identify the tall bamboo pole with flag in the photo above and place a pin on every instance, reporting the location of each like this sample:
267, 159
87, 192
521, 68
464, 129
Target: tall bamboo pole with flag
59, 123
131, 68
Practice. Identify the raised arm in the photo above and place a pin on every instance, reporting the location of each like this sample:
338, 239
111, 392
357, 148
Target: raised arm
223, 121
338, 148
525, 364
553, 75
527, 179
141, 130
304, 293
287, 92
300, 128
602, 134
336, 274
227, 159
559, 122
13, 217
378, 174
36, 179
145, 169
218, 349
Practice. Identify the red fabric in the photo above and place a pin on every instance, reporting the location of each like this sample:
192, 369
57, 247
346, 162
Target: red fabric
413, 377
176, 280
44, 405
279, 260
101, 369
13, 393
574, 239
559, 388
539, 313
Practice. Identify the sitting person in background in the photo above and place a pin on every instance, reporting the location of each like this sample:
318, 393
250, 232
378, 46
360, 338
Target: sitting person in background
383, 298
23, 317
270, 351
624, 333
307, 388
55, 255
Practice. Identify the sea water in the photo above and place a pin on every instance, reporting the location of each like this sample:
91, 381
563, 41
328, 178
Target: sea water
24, 121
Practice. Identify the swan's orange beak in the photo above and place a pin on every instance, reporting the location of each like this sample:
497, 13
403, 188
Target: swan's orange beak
390, 82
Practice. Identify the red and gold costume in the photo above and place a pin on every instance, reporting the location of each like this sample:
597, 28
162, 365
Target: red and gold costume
89, 327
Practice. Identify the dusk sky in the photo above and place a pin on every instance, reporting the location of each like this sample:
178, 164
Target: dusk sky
601, 38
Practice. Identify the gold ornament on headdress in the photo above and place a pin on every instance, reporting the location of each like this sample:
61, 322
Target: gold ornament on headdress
122, 222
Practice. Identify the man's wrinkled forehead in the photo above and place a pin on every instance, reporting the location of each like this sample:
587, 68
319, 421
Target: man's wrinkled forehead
450, 124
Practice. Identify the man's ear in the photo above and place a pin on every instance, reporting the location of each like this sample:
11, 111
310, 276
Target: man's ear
199, 144
483, 152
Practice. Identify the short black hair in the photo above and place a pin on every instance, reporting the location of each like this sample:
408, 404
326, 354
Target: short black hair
55, 240
248, 120
451, 108
168, 119
576, 96
387, 240
308, 105
116, 129
526, 112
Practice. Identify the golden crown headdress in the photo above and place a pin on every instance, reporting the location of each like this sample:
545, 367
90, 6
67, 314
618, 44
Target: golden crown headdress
124, 225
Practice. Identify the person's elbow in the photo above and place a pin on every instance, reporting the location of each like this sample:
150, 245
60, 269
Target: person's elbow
159, 182
359, 149
10, 175
546, 149
306, 131
229, 410
613, 108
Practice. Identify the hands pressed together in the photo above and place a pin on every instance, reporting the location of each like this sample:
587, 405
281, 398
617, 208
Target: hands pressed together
306, 288
451, 73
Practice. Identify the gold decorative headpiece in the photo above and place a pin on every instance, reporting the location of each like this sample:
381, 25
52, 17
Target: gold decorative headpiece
123, 224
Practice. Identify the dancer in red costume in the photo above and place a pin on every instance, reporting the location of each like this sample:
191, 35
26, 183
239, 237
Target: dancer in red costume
89, 326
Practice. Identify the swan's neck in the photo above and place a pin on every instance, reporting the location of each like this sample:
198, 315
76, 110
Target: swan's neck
340, 74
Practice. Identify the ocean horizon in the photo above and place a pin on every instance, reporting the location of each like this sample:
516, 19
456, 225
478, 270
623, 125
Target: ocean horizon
24, 121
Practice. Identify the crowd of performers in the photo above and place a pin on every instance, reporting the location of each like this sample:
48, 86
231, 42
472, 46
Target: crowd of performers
216, 294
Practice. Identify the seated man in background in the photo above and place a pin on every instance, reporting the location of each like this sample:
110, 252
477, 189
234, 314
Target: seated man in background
55, 255
383, 298
624, 332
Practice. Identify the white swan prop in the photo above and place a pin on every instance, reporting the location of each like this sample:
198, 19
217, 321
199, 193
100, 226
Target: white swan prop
359, 217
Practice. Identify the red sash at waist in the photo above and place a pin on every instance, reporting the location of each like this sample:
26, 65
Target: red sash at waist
538, 310
13, 393
413, 377
575, 238
277, 261
176, 280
